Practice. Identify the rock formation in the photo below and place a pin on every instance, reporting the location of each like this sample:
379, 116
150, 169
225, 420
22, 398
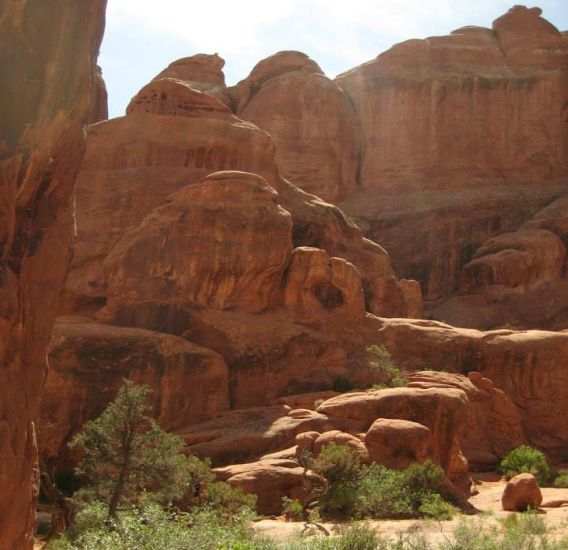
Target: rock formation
312, 122
47, 59
99, 98
205, 268
446, 157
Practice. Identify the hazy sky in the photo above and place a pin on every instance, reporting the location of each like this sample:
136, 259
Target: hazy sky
143, 36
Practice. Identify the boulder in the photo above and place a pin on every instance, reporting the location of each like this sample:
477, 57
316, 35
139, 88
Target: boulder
527, 367
337, 437
398, 443
440, 410
492, 426
520, 493
247, 434
270, 480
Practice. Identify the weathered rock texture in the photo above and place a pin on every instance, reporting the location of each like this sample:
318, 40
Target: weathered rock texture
454, 126
528, 367
88, 362
47, 59
312, 122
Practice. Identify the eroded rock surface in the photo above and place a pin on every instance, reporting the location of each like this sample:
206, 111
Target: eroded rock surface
47, 58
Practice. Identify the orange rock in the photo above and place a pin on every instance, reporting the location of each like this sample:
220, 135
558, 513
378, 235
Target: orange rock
312, 122
48, 53
317, 285
203, 247
99, 98
88, 362
270, 480
492, 426
399, 443
247, 434
441, 410
520, 493
338, 437
526, 367
202, 72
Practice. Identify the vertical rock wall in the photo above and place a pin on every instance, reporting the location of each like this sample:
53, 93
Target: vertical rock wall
47, 56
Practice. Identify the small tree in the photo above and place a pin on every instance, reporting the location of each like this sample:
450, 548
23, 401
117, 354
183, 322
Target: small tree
387, 372
125, 452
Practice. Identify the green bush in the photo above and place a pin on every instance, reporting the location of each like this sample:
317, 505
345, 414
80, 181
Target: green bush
228, 500
433, 506
341, 384
413, 492
561, 480
151, 527
525, 459
387, 372
341, 468
293, 509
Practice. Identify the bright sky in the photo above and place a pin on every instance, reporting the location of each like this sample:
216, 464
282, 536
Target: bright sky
143, 36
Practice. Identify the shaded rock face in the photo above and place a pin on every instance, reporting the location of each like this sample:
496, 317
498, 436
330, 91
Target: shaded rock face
444, 151
528, 367
99, 98
47, 59
312, 122
516, 278
88, 362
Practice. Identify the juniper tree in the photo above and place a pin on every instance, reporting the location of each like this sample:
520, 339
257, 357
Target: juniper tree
125, 453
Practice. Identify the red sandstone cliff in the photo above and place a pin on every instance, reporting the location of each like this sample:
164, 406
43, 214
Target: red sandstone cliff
47, 59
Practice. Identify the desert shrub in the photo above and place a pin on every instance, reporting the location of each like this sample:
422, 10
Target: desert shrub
433, 506
525, 459
341, 468
526, 531
150, 526
381, 494
126, 453
561, 480
341, 384
413, 492
293, 509
359, 536
228, 500
387, 372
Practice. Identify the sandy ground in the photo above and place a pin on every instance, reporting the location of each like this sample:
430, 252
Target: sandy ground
488, 500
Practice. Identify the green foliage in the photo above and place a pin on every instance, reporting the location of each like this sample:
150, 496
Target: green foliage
293, 509
374, 491
228, 500
150, 527
125, 452
341, 384
526, 531
387, 372
341, 469
414, 492
433, 506
561, 480
525, 459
